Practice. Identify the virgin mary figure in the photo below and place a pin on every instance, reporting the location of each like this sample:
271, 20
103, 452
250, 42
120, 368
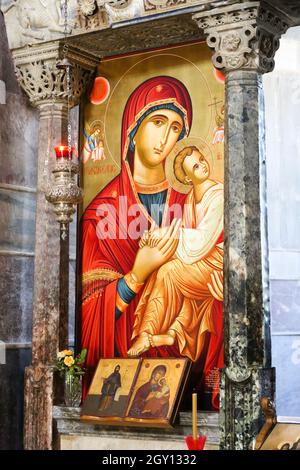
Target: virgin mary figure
114, 270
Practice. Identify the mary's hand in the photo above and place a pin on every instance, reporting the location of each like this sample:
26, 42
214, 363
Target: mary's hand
149, 259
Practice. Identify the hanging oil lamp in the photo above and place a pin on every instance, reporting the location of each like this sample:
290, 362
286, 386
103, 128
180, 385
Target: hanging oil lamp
64, 192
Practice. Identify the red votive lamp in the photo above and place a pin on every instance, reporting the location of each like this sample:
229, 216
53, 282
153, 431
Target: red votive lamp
64, 151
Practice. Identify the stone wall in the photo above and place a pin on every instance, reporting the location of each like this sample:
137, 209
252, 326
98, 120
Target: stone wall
18, 179
18, 141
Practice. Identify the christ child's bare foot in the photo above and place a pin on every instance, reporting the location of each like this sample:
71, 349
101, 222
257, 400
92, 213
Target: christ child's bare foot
141, 345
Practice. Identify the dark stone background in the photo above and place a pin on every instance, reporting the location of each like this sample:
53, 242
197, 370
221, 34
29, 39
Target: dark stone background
18, 141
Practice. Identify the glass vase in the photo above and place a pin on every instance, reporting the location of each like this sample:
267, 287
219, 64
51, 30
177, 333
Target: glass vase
73, 390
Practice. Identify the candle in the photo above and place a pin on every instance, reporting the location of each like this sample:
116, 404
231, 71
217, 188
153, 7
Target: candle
194, 442
64, 151
194, 413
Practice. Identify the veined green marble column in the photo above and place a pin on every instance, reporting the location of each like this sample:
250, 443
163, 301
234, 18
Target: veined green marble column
244, 38
247, 375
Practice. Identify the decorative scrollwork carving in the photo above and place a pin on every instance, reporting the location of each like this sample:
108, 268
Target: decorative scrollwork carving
150, 35
162, 5
116, 3
231, 42
43, 81
269, 410
87, 7
37, 72
92, 14
243, 38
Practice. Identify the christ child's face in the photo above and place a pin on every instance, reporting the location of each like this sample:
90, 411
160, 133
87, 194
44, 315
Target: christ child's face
196, 168
157, 135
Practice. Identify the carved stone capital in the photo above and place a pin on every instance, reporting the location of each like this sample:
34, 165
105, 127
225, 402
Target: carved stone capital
244, 35
37, 72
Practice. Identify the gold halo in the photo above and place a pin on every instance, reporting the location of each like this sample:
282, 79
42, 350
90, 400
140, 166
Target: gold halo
169, 166
138, 72
97, 122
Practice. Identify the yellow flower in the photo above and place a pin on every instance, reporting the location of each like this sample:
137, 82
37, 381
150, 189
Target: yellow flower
61, 354
68, 352
69, 361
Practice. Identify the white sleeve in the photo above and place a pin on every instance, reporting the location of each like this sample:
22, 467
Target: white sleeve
195, 243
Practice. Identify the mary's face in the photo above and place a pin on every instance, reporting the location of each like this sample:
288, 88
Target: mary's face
157, 136
157, 376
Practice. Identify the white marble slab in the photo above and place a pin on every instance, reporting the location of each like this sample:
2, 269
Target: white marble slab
106, 443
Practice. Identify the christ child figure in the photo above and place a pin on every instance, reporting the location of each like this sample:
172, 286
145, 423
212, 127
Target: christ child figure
181, 298
158, 398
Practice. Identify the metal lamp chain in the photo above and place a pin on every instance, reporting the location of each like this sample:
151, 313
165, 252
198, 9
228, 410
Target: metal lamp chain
64, 194
65, 18
69, 129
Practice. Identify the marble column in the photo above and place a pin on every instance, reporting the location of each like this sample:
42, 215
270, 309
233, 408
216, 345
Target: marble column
46, 87
244, 38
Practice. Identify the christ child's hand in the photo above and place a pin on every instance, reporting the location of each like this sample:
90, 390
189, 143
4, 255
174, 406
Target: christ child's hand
156, 235
153, 236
